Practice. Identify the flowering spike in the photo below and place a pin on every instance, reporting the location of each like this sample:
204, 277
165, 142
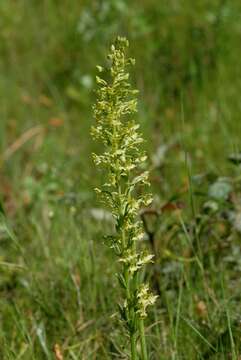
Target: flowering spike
114, 109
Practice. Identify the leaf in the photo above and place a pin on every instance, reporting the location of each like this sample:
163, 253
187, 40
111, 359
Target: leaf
210, 206
123, 313
235, 158
122, 281
41, 334
220, 190
143, 178
1, 208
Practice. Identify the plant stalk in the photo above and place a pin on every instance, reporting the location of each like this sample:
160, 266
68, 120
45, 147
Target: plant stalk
143, 339
131, 315
133, 347
122, 157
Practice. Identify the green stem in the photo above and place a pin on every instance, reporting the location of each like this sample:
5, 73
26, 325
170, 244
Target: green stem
143, 340
132, 336
133, 347
131, 285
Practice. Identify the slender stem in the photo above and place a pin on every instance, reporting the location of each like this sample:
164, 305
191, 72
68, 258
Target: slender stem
132, 335
133, 347
143, 339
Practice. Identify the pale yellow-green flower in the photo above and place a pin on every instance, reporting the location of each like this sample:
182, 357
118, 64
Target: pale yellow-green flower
122, 160
145, 299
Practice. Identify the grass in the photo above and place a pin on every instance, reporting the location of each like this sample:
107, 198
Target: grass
57, 284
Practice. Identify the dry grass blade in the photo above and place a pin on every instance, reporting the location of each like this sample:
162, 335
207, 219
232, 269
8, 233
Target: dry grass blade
25, 137
58, 353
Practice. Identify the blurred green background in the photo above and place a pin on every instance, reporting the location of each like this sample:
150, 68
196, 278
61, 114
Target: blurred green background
55, 270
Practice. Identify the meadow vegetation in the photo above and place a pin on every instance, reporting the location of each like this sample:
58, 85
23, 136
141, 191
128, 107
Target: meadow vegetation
58, 285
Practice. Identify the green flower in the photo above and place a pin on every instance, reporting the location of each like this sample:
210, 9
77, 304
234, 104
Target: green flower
122, 160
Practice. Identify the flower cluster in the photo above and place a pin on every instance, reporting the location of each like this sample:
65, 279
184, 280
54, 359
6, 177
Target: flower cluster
122, 159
